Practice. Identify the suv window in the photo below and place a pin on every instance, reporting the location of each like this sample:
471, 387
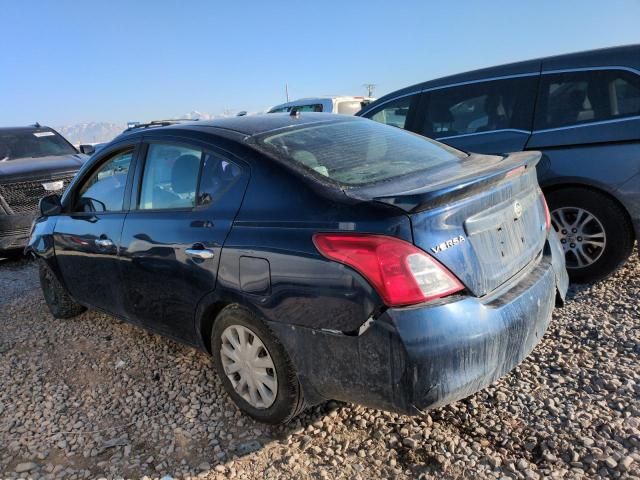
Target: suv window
104, 191
581, 97
171, 173
36, 143
394, 113
480, 107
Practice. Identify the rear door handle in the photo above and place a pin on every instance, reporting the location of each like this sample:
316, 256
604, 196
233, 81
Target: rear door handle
103, 242
201, 253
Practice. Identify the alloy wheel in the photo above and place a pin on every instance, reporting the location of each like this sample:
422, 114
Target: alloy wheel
248, 365
582, 236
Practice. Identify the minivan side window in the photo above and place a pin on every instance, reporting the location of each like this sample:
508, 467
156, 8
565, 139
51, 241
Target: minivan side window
104, 190
394, 113
480, 107
572, 98
172, 172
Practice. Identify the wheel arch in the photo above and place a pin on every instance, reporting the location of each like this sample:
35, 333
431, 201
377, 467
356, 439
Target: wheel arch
554, 187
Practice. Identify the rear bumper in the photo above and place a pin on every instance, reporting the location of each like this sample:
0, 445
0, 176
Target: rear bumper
413, 359
15, 230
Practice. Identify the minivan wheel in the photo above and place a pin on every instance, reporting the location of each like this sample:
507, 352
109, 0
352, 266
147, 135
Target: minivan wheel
254, 367
60, 303
595, 233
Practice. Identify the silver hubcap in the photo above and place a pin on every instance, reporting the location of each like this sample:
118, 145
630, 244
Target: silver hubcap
581, 234
248, 365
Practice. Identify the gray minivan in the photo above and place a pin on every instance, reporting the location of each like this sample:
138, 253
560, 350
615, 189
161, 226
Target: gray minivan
581, 110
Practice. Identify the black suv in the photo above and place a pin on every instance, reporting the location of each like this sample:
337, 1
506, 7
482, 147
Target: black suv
34, 161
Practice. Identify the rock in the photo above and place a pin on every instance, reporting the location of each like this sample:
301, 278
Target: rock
610, 462
624, 465
25, 467
410, 442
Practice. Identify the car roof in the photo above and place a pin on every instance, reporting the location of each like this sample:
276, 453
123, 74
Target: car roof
250, 125
23, 129
624, 56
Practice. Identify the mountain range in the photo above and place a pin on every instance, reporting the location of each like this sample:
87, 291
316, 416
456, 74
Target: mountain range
99, 132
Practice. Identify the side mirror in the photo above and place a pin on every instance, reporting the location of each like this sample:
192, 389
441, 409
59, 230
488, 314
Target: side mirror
87, 149
50, 205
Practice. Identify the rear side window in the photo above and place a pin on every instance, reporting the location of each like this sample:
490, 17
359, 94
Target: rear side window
177, 176
358, 152
104, 191
394, 113
480, 107
349, 107
573, 98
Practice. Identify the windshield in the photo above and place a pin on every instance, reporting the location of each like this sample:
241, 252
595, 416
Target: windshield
359, 152
32, 144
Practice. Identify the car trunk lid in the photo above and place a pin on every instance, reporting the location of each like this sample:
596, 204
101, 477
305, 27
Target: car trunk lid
485, 222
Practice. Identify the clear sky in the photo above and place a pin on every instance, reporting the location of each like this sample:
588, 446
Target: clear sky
65, 62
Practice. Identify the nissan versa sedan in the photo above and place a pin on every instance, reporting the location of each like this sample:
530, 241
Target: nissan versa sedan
315, 257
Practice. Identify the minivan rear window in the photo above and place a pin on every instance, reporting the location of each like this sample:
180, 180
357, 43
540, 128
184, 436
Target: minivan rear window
358, 152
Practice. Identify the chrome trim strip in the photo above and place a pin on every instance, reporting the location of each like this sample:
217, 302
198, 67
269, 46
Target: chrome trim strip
587, 69
590, 124
515, 130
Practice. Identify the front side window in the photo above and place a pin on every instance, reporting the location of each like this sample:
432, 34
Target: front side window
394, 113
574, 98
480, 107
104, 191
315, 107
171, 175
357, 152
280, 110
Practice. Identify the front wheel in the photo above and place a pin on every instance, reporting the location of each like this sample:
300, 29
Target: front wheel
594, 231
60, 303
254, 367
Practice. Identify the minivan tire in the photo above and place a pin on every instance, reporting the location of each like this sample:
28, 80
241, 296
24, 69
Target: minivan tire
60, 303
289, 399
617, 227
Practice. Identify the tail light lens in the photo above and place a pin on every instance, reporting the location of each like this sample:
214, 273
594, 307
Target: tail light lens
547, 215
401, 273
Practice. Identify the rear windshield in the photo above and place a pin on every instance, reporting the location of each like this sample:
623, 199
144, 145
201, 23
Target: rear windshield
32, 144
359, 152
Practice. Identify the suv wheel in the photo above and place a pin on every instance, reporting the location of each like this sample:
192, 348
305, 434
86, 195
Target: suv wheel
60, 303
254, 367
594, 231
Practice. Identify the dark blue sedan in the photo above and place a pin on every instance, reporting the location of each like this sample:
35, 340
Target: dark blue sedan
314, 256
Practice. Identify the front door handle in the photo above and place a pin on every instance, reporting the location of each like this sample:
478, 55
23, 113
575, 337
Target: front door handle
103, 242
201, 253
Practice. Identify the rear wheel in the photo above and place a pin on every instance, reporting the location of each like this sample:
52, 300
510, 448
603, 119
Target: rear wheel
594, 231
60, 303
254, 367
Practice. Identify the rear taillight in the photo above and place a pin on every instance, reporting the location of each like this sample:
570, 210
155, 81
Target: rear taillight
401, 273
547, 215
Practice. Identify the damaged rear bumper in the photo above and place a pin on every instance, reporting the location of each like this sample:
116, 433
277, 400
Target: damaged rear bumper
412, 359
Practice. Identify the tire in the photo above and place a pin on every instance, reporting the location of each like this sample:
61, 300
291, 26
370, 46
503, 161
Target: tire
597, 262
60, 303
289, 400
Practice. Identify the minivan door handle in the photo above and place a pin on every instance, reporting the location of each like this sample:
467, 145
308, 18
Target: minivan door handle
201, 253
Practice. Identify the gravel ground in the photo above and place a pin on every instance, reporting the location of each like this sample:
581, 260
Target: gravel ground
94, 397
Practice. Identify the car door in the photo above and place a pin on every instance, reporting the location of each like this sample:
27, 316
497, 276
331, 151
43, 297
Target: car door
489, 117
184, 200
87, 237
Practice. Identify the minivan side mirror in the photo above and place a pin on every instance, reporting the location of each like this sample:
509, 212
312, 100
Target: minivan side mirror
50, 205
87, 149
